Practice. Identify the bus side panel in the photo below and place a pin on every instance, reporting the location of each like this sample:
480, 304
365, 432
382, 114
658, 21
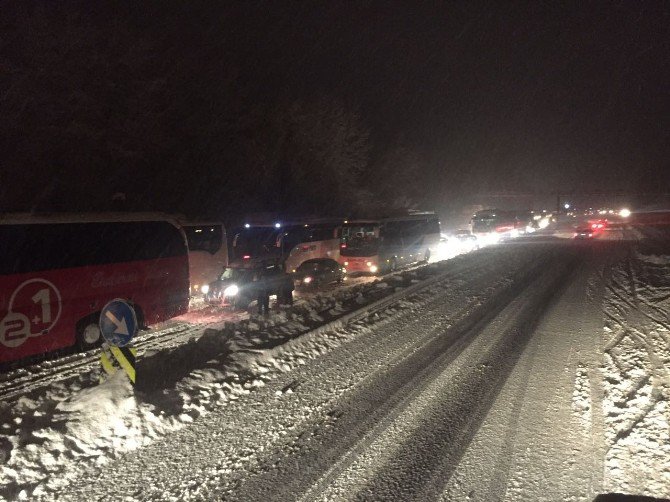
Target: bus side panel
309, 250
158, 288
39, 311
165, 294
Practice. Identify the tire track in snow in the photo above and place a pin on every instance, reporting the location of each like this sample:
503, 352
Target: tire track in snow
369, 411
221, 450
638, 383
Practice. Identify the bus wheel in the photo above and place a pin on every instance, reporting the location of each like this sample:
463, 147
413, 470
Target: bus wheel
88, 334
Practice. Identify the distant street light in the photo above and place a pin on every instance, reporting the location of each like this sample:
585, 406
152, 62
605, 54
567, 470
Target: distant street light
566, 205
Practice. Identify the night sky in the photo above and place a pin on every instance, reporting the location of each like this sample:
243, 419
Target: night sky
504, 95
493, 97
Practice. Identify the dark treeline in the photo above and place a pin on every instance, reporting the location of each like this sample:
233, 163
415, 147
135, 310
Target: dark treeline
173, 107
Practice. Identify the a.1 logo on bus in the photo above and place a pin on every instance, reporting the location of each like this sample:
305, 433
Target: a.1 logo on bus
34, 308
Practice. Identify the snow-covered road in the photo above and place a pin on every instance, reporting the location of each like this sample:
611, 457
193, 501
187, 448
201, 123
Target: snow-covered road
497, 376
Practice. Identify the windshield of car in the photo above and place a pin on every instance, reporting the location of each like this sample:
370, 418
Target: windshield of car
235, 274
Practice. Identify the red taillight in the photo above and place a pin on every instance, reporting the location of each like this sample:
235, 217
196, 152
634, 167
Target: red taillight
246, 257
305, 248
343, 246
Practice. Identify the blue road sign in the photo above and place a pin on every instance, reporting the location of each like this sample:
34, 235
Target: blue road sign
118, 323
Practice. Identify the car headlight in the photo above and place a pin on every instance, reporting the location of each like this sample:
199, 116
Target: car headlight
373, 269
231, 290
307, 280
205, 289
346, 263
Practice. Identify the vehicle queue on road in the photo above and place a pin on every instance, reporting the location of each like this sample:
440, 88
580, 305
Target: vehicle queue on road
58, 271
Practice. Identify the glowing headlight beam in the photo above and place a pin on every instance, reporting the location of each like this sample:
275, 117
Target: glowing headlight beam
231, 290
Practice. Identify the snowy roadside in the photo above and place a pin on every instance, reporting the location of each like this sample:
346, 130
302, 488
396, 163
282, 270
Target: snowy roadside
77, 427
636, 369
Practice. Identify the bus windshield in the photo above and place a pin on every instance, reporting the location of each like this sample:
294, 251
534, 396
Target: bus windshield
360, 240
208, 238
255, 241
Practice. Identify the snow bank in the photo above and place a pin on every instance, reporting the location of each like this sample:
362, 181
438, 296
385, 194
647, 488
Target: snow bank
636, 371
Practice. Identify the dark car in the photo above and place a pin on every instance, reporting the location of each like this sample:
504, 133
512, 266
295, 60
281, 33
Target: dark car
317, 272
584, 233
240, 284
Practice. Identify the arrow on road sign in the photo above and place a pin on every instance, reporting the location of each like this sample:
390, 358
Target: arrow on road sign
121, 326
118, 322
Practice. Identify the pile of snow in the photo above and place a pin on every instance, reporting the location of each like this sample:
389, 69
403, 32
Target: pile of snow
90, 427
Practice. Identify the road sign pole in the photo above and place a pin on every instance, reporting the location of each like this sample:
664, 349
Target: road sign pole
113, 359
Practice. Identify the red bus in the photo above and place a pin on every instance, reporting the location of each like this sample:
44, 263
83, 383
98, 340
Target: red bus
57, 273
207, 253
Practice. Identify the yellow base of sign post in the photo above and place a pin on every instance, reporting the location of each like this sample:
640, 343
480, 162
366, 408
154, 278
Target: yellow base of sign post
113, 359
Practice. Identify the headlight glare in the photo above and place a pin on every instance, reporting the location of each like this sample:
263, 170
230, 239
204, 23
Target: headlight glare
231, 290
